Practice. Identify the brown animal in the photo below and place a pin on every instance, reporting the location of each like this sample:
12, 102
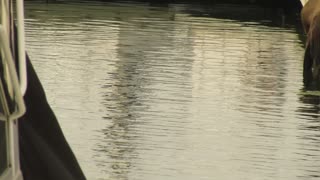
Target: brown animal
310, 17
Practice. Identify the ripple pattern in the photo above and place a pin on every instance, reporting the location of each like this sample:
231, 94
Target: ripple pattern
176, 92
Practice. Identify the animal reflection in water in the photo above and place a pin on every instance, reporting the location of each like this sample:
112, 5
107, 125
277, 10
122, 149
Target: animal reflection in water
310, 17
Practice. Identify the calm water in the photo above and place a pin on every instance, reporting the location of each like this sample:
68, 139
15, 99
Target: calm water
176, 92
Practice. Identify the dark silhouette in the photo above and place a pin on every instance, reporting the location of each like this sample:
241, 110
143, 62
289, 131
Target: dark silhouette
44, 151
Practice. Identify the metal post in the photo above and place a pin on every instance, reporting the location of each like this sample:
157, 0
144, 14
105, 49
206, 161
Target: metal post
21, 47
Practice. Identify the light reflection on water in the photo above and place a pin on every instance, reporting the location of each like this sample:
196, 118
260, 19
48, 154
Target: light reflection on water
145, 92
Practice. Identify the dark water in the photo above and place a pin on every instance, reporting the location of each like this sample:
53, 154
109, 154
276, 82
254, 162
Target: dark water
177, 92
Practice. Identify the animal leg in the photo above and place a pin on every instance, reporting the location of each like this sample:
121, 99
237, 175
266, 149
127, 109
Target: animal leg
307, 66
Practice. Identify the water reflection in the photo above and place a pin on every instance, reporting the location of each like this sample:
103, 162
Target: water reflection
143, 77
252, 84
309, 134
177, 91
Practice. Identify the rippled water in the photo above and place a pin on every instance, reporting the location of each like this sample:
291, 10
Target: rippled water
176, 92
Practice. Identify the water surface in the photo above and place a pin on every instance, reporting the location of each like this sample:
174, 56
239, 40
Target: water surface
176, 92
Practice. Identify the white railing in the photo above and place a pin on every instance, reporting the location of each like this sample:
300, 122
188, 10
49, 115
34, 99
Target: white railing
13, 84
21, 47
